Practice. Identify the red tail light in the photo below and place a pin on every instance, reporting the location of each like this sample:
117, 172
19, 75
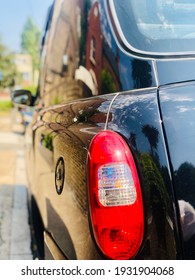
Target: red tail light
115, 198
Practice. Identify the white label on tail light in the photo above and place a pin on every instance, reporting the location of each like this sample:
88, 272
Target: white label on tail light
116, 185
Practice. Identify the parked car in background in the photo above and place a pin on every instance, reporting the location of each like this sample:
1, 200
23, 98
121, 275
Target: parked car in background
21, 116
110, 149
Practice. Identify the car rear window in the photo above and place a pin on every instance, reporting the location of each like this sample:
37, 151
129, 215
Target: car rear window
156, 26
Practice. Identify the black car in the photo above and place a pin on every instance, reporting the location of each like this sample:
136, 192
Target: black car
110, 149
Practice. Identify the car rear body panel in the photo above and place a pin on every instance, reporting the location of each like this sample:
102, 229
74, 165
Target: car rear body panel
175, 70
66, 132
177, 104
135, 115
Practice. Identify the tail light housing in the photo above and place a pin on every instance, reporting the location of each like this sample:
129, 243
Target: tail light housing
115, 199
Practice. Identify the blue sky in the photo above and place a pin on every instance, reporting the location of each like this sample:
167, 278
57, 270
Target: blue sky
13, 15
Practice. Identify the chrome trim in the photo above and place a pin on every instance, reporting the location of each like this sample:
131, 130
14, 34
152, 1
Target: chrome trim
130, 47
186, 58
107, 117
155, 72
116, 40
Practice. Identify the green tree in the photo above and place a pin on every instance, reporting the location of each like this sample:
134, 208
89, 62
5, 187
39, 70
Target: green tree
7, 67
107, 82
152, 134
30, 39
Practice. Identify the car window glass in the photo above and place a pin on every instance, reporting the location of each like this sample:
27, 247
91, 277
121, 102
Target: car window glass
157, 26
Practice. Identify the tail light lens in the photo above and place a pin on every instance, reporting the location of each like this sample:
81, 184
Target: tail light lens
115, 198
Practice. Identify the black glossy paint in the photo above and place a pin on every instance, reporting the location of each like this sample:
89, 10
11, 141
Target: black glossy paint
175, 71
88, 62
89, 82
135, 115
67, 130
178, 111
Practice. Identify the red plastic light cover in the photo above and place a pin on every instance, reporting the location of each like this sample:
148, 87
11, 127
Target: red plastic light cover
115, 199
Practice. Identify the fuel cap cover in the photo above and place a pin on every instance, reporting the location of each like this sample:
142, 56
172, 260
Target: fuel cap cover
59, 175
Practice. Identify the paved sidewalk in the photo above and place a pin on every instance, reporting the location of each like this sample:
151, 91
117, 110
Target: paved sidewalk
15, 239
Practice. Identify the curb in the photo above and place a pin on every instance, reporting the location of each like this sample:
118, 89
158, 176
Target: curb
20, 230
